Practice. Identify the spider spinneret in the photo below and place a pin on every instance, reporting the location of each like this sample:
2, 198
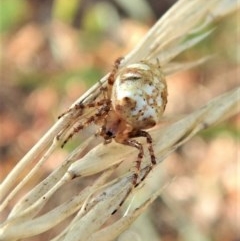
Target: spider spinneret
133, 101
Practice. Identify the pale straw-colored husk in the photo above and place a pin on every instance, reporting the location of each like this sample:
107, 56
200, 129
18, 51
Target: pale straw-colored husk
93, 206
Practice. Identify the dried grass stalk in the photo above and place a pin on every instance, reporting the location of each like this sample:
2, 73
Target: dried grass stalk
94, 205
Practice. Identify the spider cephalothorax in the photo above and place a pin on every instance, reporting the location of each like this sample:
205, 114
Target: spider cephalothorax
134, 100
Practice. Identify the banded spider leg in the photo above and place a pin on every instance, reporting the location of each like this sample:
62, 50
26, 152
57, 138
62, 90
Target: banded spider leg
102, 111
139, 146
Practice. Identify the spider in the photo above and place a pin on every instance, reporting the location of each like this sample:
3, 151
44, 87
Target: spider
133, 100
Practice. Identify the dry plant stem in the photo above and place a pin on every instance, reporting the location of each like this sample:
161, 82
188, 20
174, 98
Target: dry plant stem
96, 216
168, 29
113, 231
164, 139
33, 154
31, 173
88, 204
144, 49
31, 202
53, 217
217, 110
172, 67
165, 41
41, 148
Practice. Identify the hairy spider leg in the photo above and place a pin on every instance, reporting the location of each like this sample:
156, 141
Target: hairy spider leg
80, 107
101, 113
111, 77
77, 107
139, 146
148, 137
134, 143
135, 175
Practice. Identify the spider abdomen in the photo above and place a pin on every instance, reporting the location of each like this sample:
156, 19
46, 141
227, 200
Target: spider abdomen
139, 94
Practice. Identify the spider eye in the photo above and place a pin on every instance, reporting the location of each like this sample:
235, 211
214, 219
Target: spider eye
109, 133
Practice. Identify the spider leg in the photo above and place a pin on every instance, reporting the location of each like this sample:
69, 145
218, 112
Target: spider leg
111, 77
135, 176
148, 137
77, 107
80, 106
139, 146
73, 109
101, 113
78, 129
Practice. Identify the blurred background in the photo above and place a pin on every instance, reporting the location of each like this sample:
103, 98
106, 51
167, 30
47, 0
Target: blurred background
53, 51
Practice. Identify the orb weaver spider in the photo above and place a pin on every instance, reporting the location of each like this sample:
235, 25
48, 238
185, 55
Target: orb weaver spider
133, 100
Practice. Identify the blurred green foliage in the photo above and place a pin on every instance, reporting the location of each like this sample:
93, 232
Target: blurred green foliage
221, 129
12, 13
64, 9
88, 75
